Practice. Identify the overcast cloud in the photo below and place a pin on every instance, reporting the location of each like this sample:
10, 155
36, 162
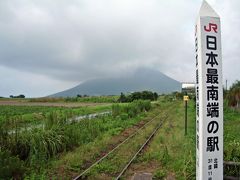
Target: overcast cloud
48, 46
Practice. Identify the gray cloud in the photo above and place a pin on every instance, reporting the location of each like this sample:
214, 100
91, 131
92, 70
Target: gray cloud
71, 41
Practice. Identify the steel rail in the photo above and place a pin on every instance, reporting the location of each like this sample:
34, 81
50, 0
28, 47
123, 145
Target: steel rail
139, 150
115, 148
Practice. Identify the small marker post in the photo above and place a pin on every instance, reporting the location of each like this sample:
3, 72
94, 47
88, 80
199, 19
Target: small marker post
185, 99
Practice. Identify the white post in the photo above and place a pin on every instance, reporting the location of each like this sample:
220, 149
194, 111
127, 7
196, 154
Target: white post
209, 96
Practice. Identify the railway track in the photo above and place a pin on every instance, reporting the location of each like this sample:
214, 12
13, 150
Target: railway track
140, 149
142, 136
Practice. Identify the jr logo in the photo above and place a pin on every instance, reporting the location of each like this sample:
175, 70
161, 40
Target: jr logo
211, 27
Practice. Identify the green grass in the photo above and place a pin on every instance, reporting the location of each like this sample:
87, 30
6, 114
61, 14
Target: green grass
171, 151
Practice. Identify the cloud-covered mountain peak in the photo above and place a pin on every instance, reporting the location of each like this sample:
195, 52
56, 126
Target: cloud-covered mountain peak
142, 79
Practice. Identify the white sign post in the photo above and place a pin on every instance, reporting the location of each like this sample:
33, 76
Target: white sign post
209, 96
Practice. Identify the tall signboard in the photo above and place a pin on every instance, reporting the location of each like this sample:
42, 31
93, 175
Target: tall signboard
209, 95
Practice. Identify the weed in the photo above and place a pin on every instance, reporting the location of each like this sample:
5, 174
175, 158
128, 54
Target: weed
159, 174
165, 156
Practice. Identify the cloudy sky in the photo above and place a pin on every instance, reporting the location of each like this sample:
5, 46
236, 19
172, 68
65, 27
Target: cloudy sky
50, 45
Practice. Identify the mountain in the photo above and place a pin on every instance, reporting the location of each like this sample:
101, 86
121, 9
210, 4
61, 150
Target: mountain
142, 79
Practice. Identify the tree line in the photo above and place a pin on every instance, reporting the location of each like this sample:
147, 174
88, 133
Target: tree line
144, 95
19, 96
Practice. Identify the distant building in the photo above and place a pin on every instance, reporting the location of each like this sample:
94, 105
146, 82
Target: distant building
188, 87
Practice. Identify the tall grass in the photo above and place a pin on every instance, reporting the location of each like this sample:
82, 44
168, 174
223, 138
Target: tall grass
131, 109
36, 146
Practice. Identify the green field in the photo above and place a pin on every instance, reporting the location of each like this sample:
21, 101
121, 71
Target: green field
62, 149
94, 99
26, 152
23, 116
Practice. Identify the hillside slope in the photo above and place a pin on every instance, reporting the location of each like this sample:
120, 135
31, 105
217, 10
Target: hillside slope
142, 79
